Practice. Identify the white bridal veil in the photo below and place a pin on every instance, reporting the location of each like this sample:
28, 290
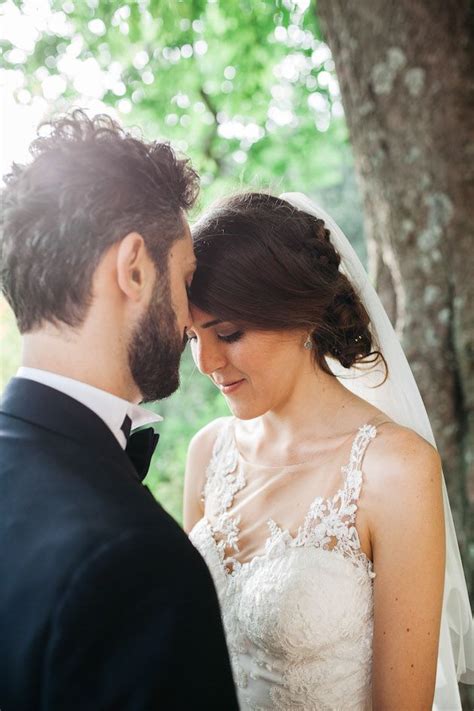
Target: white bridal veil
400, 399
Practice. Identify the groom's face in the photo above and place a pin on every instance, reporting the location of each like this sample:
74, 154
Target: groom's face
158, 339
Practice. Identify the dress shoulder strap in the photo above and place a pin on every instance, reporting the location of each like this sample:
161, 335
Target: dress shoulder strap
222, 480
224, 452
353, 470
331, 523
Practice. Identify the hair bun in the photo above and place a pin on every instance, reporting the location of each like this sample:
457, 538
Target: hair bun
348, 339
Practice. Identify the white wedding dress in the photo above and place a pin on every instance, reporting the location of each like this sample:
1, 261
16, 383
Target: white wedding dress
299, 615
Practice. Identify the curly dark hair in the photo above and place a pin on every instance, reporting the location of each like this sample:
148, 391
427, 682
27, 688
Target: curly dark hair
89, 184
264, 264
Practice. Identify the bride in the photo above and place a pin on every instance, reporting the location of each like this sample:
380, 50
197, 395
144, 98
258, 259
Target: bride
319, 506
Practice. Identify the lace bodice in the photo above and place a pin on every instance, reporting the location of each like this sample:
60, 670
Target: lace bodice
299, 615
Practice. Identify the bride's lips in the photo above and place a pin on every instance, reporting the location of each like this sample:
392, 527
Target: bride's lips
230, 387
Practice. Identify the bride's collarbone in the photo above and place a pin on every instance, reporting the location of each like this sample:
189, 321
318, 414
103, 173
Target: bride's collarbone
288, 442
263, 451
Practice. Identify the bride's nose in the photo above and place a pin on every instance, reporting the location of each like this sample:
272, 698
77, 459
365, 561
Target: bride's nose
210, 357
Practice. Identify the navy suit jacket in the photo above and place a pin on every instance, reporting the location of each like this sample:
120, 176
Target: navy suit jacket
104, 603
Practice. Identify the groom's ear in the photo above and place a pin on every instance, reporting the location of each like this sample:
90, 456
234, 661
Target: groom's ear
135, 269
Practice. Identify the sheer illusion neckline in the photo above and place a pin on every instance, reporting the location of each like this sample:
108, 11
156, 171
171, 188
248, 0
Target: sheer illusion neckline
260, 465
329, 523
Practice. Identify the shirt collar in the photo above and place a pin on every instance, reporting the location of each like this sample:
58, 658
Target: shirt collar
110, 408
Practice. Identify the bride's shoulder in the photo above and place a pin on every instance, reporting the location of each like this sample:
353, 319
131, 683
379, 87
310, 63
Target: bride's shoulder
203, 441
201, 446
399, 459
197, 463
397, 443
402, 497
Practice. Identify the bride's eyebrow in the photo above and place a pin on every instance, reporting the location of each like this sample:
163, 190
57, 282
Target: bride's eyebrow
208, 324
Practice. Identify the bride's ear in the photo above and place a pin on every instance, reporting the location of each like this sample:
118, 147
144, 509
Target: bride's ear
135, 269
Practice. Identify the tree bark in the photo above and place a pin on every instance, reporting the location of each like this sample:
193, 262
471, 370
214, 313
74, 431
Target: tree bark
406, 73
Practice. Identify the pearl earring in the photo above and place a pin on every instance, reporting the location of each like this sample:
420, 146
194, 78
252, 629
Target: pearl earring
308, 344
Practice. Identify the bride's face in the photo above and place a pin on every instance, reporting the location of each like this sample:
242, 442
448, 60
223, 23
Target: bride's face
256, 371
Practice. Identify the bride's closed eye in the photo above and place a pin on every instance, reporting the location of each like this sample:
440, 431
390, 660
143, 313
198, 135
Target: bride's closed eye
230, 337
226, 337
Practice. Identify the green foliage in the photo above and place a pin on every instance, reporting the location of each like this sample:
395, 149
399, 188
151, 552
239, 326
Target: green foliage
245, 87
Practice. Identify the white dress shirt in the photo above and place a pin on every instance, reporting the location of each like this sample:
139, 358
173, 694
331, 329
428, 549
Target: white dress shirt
110, 408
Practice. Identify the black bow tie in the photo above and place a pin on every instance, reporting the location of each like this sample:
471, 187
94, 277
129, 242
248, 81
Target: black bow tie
140, 447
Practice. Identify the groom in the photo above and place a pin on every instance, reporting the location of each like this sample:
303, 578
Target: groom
104, 604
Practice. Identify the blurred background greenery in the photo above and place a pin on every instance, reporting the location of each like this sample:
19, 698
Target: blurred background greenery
246, 88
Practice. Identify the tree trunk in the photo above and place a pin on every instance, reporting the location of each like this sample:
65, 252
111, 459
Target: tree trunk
406, 72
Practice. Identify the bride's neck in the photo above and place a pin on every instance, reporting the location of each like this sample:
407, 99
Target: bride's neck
316, 403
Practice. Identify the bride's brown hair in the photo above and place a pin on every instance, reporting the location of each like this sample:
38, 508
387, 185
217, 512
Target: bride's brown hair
265, 265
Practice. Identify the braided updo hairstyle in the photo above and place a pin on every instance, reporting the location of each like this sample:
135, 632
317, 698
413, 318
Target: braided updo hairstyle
265, 265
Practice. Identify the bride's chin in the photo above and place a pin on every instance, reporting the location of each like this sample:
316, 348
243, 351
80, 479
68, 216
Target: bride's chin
245, 411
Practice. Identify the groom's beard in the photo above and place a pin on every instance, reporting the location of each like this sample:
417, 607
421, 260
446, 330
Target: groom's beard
155, 349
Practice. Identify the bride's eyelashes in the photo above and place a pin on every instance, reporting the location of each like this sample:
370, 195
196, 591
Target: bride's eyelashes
231, 337
227, 338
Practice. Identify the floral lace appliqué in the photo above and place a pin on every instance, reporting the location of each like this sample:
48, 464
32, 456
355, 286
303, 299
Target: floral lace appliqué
224, 479
330, 523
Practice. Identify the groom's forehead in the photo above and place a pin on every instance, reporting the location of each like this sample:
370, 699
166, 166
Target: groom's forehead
182, 251
188, 244
187, 236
